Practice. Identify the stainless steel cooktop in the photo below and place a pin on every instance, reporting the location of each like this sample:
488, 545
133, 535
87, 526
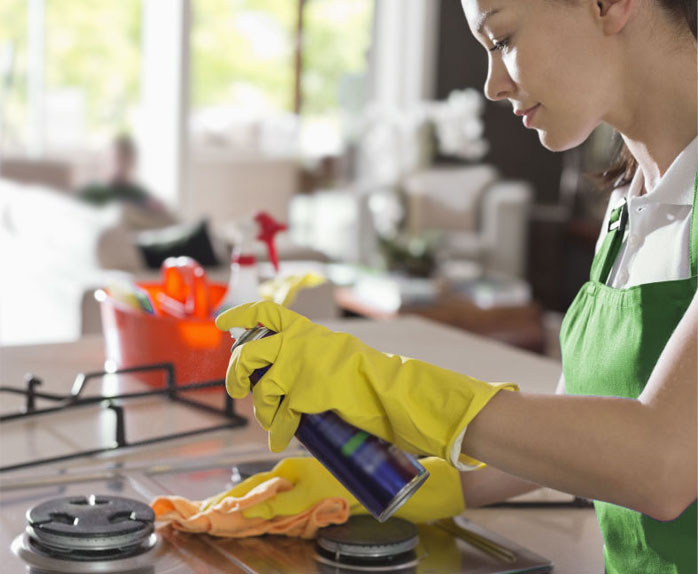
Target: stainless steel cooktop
66, 495
85, 508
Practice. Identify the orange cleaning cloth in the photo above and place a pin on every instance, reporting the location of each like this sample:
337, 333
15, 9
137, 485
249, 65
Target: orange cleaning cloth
226, 517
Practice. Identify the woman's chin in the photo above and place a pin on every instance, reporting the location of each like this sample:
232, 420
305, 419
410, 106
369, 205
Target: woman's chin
558, 142
562, 140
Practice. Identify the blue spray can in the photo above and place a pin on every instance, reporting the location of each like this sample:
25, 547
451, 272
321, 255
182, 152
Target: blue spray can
380, 476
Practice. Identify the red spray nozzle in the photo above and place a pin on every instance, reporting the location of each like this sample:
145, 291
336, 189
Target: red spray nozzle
268, 228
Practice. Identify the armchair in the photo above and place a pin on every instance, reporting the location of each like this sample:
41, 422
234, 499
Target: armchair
480, 216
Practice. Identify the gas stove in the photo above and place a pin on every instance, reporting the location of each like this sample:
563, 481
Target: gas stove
97, 520
86, 510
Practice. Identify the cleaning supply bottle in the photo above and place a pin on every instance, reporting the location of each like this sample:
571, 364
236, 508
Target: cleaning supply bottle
243, 285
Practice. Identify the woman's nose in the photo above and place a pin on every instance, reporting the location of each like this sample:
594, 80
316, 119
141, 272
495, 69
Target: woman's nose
499, 85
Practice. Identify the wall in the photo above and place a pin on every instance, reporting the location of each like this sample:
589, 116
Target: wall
515, 150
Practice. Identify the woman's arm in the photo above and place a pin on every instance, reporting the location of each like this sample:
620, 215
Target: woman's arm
491, 485
640, 454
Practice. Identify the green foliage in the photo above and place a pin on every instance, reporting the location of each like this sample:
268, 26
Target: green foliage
13, 35
336, 44
95, 45
225, 50
337, 35
412, 255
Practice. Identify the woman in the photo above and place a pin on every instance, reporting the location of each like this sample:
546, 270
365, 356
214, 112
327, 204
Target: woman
622, 428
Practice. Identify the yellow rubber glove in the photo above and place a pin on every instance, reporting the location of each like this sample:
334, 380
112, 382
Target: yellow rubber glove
440, 496
417, 406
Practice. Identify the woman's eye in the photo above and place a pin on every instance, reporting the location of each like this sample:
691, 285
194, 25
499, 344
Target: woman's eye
500, 45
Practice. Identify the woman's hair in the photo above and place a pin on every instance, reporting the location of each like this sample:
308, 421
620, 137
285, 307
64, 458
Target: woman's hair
682, 11
624, 165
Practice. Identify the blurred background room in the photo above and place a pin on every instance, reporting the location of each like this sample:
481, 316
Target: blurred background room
135, 129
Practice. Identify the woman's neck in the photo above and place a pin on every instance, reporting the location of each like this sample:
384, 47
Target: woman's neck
659, 113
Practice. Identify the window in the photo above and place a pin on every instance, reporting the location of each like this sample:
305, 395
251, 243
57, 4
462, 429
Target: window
92, 66
257, 62
241, 54
336, 43
13, 74
70, 70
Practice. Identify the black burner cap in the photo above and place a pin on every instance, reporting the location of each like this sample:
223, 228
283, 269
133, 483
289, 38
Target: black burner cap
364, 536
98, 522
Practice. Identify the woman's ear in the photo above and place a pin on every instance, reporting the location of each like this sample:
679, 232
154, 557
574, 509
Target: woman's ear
613, 15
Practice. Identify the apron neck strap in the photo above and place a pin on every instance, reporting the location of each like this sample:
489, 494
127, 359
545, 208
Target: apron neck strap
603, 262
617, 222
693, 245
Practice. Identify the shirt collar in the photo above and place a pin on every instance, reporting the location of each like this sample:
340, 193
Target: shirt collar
676, 185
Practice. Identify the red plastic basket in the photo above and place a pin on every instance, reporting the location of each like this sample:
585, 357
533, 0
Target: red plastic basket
192, 343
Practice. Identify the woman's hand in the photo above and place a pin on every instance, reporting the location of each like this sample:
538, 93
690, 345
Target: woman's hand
439, 497
414, 405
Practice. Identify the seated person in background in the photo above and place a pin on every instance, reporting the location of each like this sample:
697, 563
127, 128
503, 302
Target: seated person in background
144, 210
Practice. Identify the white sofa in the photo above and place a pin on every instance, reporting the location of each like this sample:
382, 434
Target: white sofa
52, 246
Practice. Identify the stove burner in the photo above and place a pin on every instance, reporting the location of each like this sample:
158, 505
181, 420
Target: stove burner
63, 534
104, 526
362, 543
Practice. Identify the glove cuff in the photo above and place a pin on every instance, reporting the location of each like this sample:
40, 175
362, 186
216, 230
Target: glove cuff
461, 461
453, 453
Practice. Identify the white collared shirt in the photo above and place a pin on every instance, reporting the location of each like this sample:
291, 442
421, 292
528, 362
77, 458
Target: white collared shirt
655, 246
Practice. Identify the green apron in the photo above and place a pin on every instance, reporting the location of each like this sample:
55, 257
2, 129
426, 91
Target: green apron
611, 340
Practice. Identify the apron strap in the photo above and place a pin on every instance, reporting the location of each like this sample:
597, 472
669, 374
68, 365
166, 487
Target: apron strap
603, 262
617, 222
693, 237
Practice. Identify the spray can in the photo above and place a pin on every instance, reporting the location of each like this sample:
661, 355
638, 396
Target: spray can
378, 474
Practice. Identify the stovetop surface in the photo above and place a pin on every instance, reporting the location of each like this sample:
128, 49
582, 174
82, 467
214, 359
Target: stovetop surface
437, 552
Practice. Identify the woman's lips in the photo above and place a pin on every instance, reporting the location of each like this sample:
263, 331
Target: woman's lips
528, 115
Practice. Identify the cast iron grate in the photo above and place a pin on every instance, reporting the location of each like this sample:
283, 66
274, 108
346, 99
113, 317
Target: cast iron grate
75, 399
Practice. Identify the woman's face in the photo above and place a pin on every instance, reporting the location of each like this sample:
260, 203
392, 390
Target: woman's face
548, 56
